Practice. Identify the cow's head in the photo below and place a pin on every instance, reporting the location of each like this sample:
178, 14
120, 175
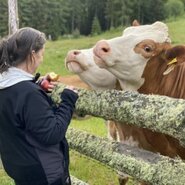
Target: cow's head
81, 62
127, 56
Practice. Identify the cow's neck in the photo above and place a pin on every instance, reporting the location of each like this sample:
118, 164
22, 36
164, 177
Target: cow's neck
131, 85
118, 85
153, 75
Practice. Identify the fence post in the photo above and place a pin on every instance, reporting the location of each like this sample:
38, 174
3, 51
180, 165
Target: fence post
13, 20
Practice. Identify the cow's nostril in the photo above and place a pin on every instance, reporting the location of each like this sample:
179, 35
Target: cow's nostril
76, 52
105, 50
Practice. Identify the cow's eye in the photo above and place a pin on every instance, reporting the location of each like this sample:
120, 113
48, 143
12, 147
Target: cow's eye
147, 49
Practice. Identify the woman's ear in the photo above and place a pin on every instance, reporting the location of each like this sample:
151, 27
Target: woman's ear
32, 56
32, 52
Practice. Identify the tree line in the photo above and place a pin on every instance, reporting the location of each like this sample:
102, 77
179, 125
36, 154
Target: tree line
85, 17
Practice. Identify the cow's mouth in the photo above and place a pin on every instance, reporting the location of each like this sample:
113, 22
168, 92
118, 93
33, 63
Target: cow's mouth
74, 63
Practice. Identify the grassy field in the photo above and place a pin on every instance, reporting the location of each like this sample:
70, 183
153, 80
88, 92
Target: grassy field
82, 167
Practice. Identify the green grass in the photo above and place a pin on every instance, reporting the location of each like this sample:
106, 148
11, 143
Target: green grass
176, 31
4, 179
82, 167
91, 171
87, 169
92, 125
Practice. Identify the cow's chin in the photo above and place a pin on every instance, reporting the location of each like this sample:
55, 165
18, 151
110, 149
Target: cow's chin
74, 67
100, 62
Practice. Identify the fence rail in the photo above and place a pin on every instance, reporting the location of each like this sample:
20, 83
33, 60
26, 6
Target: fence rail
143, 165
157, 113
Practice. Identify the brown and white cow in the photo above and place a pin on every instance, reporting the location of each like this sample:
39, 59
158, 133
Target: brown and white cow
144, 60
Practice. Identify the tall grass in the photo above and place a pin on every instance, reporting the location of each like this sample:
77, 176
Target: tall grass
82, 167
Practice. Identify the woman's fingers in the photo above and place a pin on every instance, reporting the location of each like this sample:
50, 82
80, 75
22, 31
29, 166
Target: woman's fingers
51, 86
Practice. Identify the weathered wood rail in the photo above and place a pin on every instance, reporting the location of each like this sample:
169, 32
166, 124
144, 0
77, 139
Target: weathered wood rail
143, 165
157, 113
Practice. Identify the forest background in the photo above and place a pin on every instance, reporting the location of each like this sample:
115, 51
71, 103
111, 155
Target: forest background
72, 18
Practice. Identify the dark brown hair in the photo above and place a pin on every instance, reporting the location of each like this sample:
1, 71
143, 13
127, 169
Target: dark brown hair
16, 48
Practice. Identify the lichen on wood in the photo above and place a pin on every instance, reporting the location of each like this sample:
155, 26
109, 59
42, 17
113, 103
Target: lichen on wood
158, 113
142, 165
75, 181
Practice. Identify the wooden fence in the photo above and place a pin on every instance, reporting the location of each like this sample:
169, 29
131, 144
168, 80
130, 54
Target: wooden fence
158, 113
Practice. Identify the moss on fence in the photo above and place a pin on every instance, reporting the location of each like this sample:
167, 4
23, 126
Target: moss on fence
158, 113
143, 165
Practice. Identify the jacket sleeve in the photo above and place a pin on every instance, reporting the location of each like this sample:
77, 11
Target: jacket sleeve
42, 122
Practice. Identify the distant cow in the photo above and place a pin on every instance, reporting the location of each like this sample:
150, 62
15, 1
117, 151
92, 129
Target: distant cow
144, 60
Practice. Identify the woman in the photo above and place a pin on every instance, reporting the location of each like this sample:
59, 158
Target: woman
33, 147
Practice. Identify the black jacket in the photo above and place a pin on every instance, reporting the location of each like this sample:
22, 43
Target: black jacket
33, 147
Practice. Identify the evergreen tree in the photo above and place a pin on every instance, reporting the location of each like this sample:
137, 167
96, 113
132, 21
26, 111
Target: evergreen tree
3, 18
109, 10
155, 11
119, 12
148, 11
125, 12
75, 14
59, 17
45, 15
183, 1
96, 29
174, 8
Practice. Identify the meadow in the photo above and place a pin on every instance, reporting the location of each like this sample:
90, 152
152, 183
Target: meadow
82, 167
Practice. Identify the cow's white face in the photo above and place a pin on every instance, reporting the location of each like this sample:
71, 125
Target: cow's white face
81, 62
127, 56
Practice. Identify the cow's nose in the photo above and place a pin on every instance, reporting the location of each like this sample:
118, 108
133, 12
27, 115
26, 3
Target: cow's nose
102, 48
72, 54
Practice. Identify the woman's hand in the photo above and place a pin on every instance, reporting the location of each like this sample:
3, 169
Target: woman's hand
48, 82
51, 86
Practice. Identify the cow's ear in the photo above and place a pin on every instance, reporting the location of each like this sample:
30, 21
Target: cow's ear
175, 52
135, 23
